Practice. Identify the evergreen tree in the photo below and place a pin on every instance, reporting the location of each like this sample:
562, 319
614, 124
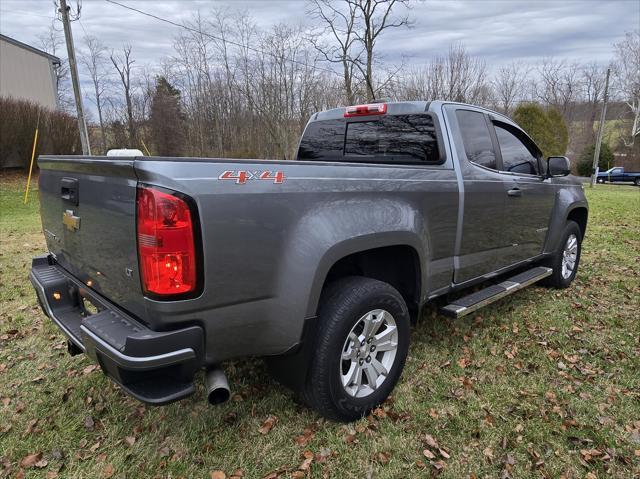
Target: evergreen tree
546, 127
167, 120
605, 160
559, 132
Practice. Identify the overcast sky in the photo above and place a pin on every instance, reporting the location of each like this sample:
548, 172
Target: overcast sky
499, 31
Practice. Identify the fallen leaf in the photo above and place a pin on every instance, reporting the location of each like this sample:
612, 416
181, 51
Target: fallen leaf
108, 471
308, 459
430, 441
41, 463
89, 423
444, 453
488, 452
383, 457
306, 436
218, 475
130, 440
275, 474
428, 454
31, 426
30, 460
268, 424
463, 362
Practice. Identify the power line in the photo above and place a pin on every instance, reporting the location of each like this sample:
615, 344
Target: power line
231, 42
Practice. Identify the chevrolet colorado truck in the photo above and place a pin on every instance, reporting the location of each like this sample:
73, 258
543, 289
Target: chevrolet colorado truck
159, 268
618, 175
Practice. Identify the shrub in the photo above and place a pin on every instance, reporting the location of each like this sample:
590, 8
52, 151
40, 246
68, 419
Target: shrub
585, 162
57, 135
546, 127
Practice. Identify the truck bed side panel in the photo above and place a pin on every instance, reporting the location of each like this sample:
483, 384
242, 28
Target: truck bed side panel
267, 247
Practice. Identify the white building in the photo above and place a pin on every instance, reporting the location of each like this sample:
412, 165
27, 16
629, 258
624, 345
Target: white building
27, 73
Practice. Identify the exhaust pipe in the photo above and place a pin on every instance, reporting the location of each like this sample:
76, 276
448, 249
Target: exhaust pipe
217, 386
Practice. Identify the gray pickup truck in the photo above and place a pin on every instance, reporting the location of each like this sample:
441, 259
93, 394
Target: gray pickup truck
159, 268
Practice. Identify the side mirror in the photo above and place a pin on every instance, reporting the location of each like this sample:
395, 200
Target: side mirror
558, 166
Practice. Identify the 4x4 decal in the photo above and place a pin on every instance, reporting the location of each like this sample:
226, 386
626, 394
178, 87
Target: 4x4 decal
242, 176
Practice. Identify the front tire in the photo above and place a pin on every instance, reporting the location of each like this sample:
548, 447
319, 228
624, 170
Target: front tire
636, 182
566, 259
361, 344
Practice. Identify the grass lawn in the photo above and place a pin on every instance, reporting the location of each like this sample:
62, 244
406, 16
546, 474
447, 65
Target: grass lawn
545, 383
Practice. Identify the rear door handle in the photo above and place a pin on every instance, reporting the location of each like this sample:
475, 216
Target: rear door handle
515, 192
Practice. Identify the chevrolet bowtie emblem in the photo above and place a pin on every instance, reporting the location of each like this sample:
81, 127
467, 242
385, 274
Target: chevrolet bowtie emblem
70, 221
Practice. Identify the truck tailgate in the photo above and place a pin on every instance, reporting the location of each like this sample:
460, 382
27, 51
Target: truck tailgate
88, 209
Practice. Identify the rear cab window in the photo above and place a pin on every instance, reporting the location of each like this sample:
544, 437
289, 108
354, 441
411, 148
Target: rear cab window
402, 139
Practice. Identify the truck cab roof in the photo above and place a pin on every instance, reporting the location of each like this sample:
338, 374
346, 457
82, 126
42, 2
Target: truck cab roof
408, 107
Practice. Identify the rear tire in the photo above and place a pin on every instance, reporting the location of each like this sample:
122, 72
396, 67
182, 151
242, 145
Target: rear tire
566, 259
636, 182
347, 375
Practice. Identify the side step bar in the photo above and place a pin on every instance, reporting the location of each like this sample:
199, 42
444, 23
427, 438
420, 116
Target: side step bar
474, 301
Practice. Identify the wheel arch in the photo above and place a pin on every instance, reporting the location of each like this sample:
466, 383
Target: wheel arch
396, 261
570, 204
580, 215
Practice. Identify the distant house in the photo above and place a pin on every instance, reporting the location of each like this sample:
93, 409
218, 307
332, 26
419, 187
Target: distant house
27, 73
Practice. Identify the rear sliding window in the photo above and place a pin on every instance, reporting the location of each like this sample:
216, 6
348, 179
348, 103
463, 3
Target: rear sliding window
388, 139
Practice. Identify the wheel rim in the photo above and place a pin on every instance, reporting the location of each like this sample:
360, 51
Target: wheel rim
569, 256
368, 353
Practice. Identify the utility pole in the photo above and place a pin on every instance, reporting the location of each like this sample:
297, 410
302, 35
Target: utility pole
603, 114
73, 68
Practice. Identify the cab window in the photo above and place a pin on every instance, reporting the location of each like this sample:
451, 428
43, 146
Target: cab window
516, 156
476, 138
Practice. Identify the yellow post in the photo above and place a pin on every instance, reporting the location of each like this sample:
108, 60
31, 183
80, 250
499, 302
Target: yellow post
145, 147
33, 156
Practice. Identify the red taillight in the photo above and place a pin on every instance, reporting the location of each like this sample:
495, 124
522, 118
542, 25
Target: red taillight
365, 110
166, 246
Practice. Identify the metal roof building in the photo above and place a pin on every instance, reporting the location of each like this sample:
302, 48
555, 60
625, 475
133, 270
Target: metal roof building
27, 73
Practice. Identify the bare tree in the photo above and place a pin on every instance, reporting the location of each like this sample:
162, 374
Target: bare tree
509, 85
52, 42
457, 76
339, 25
375, 17
124, 64
559, 84
627, 77
94, 59
593, 77
354, 27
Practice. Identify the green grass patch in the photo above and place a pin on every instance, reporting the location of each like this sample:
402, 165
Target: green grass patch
545, 383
